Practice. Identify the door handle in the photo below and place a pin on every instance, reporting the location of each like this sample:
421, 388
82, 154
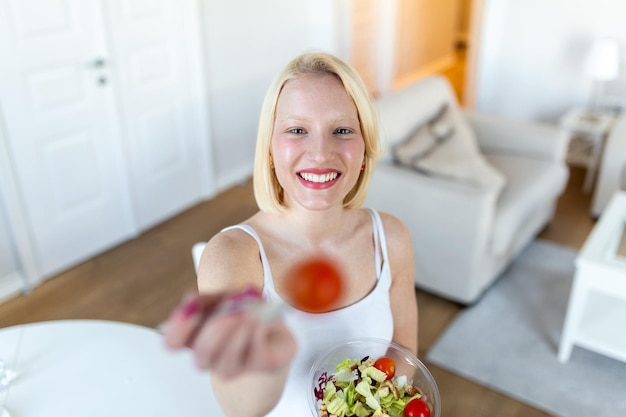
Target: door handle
97, 63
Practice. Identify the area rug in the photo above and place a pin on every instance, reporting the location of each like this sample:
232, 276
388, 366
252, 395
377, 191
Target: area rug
508, 341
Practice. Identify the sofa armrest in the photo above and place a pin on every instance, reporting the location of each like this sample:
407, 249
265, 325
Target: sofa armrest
499, 135
447, 220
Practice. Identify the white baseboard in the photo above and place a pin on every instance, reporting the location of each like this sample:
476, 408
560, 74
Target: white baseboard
11, 285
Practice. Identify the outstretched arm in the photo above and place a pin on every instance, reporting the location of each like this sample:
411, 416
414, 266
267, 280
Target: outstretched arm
244, 354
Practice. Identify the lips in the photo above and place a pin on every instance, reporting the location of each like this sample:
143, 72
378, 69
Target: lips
318, 178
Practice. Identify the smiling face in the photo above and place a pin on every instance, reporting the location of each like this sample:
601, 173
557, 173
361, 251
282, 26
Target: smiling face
317, 146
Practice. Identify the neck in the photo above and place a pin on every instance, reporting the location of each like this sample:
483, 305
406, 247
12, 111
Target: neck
318, 227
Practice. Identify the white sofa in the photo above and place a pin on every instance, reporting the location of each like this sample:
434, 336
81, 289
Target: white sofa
464, 235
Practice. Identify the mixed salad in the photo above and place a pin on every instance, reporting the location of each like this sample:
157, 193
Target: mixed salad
369, 388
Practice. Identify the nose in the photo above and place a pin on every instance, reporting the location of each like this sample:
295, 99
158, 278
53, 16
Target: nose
320, 147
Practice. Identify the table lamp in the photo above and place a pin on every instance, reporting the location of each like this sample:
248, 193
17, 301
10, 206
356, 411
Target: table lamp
601, 65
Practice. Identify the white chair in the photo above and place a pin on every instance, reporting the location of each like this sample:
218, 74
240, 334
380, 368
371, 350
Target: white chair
465, 231
196, 253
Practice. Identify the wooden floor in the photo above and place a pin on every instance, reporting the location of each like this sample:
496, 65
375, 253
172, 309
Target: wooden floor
142, 279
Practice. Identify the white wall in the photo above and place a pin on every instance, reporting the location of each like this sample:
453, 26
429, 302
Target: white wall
247, 42
9, 267
8, 261
532, 55
13, 275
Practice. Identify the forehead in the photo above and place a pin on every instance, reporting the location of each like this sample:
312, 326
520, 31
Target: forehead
314, 92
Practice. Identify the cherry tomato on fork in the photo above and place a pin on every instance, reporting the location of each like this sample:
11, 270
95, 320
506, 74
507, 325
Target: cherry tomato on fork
314, 285
417, 408
386, 365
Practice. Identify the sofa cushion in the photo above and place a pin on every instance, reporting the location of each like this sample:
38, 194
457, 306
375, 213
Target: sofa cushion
445, 146
531, 182
401, 111
425, 139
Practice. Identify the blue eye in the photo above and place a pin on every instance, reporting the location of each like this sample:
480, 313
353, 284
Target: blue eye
297, 131
343, 131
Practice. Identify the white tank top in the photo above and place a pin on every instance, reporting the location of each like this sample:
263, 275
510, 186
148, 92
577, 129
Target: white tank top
316, 333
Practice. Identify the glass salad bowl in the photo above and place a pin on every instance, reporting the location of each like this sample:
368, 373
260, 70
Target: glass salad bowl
343, 377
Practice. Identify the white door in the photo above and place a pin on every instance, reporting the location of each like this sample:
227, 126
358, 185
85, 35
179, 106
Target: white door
10, 277
157, 67
58, 110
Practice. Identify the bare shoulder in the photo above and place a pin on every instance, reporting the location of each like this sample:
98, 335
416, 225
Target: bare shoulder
234, 239
230, 261
399, 247
396, 232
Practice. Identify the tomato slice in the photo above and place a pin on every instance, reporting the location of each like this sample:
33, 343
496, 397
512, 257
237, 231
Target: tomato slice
314, 285
387, 365
417, 408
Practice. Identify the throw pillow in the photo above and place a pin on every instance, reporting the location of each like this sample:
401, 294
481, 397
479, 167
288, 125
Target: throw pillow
425, 138
445, 146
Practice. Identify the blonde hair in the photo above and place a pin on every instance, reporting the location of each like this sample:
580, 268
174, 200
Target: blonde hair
267, 190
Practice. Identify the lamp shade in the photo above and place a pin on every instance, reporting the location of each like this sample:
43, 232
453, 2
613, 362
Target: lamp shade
603, 60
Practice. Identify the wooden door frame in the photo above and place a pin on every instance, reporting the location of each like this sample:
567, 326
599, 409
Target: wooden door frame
386, 54
473, 53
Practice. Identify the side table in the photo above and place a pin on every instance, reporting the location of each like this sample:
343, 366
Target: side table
593, 128
596, 312
612, 170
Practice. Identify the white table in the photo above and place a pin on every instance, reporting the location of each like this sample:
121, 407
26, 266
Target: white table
87, 368
593, 128
612, 171
596, 313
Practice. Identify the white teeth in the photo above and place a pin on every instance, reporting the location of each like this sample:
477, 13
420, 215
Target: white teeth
319, 178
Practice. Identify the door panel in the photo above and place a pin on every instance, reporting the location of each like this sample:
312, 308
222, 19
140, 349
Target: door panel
62, 130
153, 62
54, 90
37, 18
364, 34
63, 158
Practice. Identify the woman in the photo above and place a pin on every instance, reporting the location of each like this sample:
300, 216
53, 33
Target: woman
316, 149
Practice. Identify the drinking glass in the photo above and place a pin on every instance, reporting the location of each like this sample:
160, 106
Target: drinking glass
8, 372
6, 376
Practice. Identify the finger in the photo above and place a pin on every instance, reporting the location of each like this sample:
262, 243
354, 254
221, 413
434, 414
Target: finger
212, 337
178, 325
275, 347
184, 320
233, 358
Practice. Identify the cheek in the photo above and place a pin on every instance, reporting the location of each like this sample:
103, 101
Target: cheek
355, 152
281, 157
286, 152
